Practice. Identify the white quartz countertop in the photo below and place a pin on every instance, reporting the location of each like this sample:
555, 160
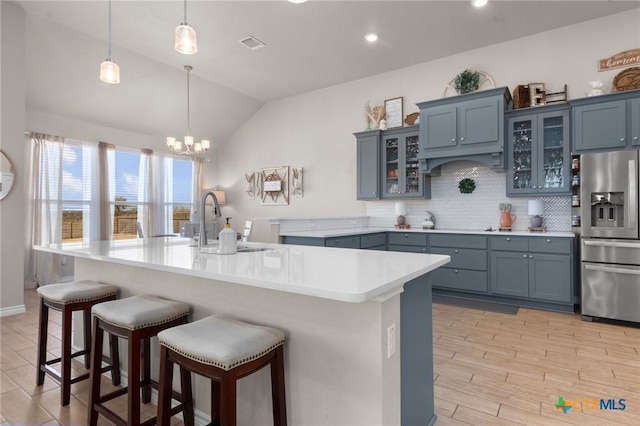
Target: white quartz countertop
346, 275
328, 233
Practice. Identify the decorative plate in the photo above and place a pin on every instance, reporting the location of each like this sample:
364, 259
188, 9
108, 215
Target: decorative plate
628, 79
486, 82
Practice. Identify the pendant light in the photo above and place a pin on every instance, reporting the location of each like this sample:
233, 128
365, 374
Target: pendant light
109, 70
185, 36
189, 148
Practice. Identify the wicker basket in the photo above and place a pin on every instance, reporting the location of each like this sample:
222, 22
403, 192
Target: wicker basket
628, 79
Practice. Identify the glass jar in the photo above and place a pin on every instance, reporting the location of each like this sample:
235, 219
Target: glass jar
575, 201
575, 164
575, 180
575, 220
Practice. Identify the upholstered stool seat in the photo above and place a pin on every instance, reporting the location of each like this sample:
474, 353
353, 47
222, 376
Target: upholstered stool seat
67, 298
224, 350
136, 319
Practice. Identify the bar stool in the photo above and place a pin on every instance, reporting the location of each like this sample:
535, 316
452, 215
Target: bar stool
68, 298
136, 319
223, 350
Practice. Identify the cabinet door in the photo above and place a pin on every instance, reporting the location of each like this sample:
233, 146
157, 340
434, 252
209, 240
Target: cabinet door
438, 127
635, 122
412, 181
552, 141
522, 157
368, 155
550, 277
510, 273
599, 126
343, 242
391, 161
479, 122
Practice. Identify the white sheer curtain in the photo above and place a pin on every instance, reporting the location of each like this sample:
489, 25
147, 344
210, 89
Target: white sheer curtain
45, 208
107, 184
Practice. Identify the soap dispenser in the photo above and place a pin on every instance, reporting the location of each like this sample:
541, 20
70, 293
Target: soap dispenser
228, 240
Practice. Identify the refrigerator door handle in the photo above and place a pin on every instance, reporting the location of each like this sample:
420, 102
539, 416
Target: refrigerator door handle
613, 270
633, 195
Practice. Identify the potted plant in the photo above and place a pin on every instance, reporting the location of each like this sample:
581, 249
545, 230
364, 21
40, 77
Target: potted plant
467, 81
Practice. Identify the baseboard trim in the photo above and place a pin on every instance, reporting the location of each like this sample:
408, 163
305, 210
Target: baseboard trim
12, 310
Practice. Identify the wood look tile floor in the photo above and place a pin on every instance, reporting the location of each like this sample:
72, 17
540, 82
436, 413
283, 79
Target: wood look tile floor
25, 404
489, 369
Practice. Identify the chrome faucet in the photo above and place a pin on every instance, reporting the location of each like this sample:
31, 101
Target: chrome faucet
202, 240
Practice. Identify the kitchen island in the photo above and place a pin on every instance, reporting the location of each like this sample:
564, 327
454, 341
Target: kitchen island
344, 363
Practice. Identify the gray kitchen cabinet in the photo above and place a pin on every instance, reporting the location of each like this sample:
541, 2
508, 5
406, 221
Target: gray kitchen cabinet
635, 122
408, 242
467, 270
377, 241
538, 151
401, 177
535, 268
374, 241
606, 122
368, 165
461, 126
352, 241
303, 241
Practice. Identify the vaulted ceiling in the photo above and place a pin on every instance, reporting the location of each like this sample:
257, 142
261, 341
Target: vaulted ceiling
308, 46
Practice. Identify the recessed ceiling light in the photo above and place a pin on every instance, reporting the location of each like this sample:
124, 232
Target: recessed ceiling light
479, 3
297, 1
371, 37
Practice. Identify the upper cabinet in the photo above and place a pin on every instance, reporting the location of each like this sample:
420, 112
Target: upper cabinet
387, 165
463, 126
368, 164
401, 177
538, 151
606, 122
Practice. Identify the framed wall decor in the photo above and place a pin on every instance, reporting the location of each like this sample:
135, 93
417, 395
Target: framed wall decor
393, 112
274, 186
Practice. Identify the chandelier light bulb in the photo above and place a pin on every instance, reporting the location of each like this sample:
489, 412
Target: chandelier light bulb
171, 141
206, 144
479, 3
188, 140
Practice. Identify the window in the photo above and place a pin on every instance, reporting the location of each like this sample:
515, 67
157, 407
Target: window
76, 191
180, 200
132, 192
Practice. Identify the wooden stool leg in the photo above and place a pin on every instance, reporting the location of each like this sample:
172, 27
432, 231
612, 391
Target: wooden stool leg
277, 389
165, 384
146, 370
134, 379
65, 373
115, 360
228, 402
215, 403
87, 337
43, 331
94, 373
187, 396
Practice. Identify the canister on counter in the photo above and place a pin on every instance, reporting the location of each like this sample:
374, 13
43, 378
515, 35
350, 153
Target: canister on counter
575, 220
575, 164
575, 200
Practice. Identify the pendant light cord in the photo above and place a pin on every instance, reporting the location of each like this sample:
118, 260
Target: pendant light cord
109, 34
188, 68
185, 11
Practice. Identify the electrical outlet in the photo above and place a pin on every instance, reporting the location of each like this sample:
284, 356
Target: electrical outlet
391, 340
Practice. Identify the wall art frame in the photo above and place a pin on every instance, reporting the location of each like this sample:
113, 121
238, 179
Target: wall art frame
393, 112
273, 185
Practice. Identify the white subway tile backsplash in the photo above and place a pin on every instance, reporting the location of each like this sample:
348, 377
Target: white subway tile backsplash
478, 210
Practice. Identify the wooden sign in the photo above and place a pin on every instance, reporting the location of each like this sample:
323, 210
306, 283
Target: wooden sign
622, 59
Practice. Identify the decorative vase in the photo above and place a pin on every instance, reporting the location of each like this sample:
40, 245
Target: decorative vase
506, 219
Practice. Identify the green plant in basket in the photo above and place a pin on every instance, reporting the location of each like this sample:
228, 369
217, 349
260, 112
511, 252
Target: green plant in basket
467, 81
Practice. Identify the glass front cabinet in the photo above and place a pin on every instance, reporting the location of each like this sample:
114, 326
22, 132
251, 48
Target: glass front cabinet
401, 176
538, 151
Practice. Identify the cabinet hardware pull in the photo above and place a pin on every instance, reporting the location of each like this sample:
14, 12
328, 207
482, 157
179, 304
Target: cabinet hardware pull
455, 270
455, 251
635, 138
524, 255
621, 139
548, 240
508, 239
453, 140
530, 256
461, 139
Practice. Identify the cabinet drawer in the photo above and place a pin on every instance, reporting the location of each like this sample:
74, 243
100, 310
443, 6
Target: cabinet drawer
343, 242
459, 241
407, 239
408, 249
303, 241
464, 258
459, 279
372, 240
550, 245
509, 243
380, 248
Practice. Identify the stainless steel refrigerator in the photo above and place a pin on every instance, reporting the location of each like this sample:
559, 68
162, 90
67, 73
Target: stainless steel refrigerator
610, 248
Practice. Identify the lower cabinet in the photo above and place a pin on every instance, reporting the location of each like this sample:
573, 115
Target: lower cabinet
467, 270
408, 242
535, 268
377, 241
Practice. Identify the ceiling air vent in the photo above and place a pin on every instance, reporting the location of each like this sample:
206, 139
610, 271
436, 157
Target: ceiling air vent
252, 43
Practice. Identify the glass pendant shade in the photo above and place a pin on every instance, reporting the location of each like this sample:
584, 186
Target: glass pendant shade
185, 39
109, 72
188, 140
205, 144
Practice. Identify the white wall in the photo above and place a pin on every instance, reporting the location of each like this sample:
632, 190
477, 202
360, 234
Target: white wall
12, 119
314, 130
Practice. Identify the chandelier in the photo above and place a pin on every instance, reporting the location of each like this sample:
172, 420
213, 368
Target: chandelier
189, 147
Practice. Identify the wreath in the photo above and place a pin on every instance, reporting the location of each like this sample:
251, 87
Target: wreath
466, 186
